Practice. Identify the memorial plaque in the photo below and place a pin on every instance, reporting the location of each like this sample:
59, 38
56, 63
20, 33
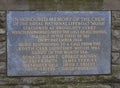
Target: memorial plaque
43, 43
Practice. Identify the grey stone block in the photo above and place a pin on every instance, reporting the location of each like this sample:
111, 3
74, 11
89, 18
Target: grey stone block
2, 67
116, 58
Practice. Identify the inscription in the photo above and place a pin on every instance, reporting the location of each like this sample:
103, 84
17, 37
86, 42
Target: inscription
58, 43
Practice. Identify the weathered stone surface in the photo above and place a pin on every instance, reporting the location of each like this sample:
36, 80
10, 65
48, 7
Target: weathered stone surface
2, 67
3, 57
116, 20
6, 80
85, 86
62, 86
2, 47
116, 72
115, 40
116, 85
3, 4
51, 5
18, 5
116, 31
116, 58
2, 31
2, 22
2, 41
6, 86
70, 86
2, 38
46, 80
111, 5
35, 80
66, 5
114, 78
116, 34
115, 44
72, 79
14, 5
2, 50
22, 86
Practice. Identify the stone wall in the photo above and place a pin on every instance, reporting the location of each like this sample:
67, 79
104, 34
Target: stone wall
98, 81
